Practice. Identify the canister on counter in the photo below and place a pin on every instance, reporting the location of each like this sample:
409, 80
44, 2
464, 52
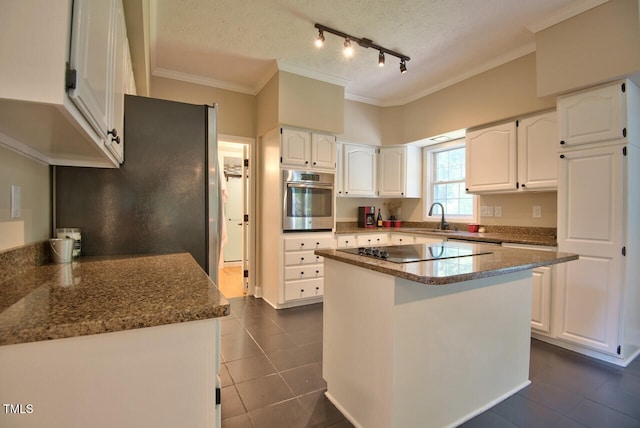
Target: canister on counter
73, 233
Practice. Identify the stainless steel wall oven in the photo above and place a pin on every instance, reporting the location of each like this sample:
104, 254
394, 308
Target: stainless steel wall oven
308, 200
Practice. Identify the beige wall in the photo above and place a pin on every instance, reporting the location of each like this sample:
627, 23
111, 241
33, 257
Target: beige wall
311, 104
35, 184
236, 111
596, 46
517, 209
502, 92
267, 106
362, 123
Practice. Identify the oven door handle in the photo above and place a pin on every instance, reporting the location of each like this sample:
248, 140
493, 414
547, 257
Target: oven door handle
310, 186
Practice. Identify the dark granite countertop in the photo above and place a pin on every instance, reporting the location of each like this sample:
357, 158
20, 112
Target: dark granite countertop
492, 237
106, 294
500, 261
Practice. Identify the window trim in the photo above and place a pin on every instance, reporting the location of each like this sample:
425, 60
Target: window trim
428, 153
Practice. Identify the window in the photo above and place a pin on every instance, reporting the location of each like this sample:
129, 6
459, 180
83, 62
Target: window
445, 164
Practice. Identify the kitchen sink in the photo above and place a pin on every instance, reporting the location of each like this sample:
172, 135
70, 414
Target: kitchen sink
438, 230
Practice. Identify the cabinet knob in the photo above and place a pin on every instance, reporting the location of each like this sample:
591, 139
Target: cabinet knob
302, 273
302, 258
317, 244
317, 288
561, 156
314, 163
466, 190
306, 162
113, 133
317, 271
116, 140
523, 185
302, 244
562, 142
346, 193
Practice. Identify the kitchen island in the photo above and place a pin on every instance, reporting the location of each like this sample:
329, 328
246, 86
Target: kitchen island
111, 341
428, 343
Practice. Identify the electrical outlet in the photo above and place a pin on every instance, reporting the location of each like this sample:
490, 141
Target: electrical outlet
497, 211
486, 211
537, 211
15, 201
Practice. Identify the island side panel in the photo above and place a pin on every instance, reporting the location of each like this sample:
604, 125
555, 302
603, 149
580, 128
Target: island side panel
460, 348
357, 336
147, 377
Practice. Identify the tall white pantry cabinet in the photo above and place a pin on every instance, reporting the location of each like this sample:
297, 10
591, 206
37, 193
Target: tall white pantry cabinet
597, 298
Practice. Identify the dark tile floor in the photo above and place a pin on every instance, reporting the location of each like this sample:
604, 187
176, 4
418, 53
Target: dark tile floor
272, 377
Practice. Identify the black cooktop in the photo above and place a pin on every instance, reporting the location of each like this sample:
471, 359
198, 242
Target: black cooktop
414, 252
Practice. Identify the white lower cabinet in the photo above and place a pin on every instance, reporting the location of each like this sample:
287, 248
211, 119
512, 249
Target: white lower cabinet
541, 291
401, 239
346, 241
303, 276
369, 239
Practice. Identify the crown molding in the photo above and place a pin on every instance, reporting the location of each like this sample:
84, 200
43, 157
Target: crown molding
575, 8
312, 74
205, 81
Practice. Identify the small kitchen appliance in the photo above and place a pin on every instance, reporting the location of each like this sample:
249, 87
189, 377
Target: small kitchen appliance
367, 216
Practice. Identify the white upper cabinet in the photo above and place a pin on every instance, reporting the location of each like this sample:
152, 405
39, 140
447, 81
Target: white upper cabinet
305, 149
91, 59
323, 151
537, 146
69, 113
295, 147
593, 115
491, 159
399, 171
359, 170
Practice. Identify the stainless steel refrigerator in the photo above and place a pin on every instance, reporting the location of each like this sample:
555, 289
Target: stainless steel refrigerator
164, 198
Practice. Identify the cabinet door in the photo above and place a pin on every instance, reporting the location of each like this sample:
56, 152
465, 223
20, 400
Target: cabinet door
590, 223
537, 152
392, 171
115, 141
359, 170
91, 56
541, 299
491, 159
339, 169
323, 151
295, 147
592, 116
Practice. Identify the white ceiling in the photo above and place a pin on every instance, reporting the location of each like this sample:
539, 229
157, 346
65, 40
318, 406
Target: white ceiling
240, 44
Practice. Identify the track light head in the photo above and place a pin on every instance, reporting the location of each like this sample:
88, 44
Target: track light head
381, 59
348, 49
320, 39
403, 66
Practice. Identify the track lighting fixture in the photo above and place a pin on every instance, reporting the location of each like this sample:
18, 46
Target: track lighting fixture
363, 42
320, 39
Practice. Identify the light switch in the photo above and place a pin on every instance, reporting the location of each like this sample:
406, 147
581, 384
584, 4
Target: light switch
15, 201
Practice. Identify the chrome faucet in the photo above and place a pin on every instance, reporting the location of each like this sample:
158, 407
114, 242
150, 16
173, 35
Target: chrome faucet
443, 224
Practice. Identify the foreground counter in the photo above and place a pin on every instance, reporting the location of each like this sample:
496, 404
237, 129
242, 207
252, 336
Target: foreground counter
111, 342
427, 344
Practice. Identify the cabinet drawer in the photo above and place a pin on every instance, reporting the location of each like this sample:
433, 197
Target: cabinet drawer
301, 258
303, 289
303, 272
293, 244
347, 241
373, 239
402, 239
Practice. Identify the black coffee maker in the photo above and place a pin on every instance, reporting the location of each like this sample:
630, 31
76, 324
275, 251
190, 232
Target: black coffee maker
367, 216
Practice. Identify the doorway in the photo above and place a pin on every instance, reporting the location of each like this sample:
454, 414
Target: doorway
234, 278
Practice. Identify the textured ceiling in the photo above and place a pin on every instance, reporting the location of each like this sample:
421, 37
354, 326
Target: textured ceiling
239, 44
